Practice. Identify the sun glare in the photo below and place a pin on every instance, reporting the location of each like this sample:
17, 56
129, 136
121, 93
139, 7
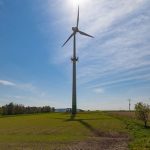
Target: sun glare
77, 2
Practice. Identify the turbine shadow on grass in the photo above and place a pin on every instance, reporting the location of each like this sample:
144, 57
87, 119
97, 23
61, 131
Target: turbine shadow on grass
85, 124
72, 118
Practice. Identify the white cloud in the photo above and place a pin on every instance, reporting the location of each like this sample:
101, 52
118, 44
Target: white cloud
120, 51
7, 83
27, 87
98, 90
121, 47
21, 86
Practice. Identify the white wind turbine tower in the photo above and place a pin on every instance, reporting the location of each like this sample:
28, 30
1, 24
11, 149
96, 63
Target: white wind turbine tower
74, 59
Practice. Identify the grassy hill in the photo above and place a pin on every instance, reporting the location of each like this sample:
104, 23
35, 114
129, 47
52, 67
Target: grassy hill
92, 130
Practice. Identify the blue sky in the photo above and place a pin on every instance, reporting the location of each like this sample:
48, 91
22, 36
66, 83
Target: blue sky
112, 67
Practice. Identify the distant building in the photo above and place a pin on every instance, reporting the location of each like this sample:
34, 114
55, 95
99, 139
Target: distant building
67, 110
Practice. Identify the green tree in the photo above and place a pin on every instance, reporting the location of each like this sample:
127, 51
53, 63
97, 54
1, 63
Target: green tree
13, 109
0, 110
142, 112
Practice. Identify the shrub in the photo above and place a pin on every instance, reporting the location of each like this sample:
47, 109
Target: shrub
142, 112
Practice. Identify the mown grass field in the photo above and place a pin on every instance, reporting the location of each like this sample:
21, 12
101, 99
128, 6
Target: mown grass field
92, 130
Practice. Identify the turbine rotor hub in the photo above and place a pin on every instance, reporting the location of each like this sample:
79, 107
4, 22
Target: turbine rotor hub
75, 29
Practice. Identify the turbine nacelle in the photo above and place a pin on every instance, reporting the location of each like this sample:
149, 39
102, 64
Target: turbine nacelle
75, 29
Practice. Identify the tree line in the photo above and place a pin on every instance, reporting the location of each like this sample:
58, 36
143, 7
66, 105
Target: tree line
13, 109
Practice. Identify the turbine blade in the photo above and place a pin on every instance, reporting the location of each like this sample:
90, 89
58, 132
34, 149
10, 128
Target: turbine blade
78, 18
83, 33
68, 39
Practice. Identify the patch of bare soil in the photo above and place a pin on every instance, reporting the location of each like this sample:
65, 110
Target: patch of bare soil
101, 144
107, 141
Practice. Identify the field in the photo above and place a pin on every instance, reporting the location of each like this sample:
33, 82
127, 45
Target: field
89, 131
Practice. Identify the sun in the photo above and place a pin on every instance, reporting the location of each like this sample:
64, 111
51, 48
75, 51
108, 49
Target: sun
78, 2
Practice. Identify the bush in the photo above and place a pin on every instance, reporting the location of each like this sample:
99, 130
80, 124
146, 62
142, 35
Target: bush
142, 112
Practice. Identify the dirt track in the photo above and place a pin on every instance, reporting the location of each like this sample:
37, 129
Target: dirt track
104, 142
107, 142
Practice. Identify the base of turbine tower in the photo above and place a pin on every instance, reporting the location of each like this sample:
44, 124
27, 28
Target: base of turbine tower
74, 111
74, 95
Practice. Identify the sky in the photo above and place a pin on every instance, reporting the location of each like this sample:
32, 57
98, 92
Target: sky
112, 68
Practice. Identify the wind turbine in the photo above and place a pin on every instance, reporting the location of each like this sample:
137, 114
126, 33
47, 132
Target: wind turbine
129, 104
74, 59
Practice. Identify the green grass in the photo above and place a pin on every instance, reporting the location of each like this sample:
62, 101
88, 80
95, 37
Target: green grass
59, 128
55, 127
140, 136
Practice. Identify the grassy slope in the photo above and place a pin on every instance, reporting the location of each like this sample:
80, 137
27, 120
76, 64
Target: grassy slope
140, 135
58, 127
